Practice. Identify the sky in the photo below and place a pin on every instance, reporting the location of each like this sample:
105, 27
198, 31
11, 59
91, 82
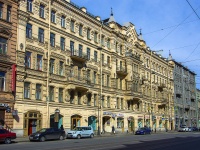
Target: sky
170, 25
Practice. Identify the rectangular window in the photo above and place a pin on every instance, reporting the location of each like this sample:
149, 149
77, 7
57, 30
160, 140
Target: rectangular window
41, 35
116, 45
30, 5
1, 10
102, 40
62, 21
2, 81
108, 60
120, 49
117, 103
95, 56
52, 39
28, 59
102, 59
51, 93
120, 84
62, 43
72, 25
41, 13
53, 16
8, 13
88, 53
95, 37
61, 68
108, 43
80, 50
72, 47
39, 62
108, 81
60, 97
94, 77
88, 33
29, 30
3, 45
52, 65
102, 80
95, 99
80, 29
38, 91
108, 102
122, 103
102, 102
26, 90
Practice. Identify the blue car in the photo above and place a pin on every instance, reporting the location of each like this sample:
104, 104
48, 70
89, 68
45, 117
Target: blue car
143, 131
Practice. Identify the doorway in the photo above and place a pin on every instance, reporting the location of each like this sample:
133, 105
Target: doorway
75, 121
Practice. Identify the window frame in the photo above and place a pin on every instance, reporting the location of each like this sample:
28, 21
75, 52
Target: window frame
2, 81
30, 5
42, 11
53, 16
52, 39
62, 43
27, 86
8, 17
72, 23
29, 28
41, 35
38, 91
27, 59
39, 62
3, 45
62, 21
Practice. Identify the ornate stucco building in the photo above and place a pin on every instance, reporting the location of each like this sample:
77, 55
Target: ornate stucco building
198, 106
8, 35
184, 96
75, 69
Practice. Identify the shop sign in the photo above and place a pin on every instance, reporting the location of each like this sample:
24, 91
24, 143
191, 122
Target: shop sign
109, 113
140, 117
120, 115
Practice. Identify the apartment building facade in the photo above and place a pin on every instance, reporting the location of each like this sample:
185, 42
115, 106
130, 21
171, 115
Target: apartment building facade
75, 69
8, 34
198, 106
185, 102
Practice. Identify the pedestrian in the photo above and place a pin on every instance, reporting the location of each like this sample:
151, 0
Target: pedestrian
113, 130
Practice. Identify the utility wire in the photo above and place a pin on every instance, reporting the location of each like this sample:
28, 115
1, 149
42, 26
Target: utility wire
193, 9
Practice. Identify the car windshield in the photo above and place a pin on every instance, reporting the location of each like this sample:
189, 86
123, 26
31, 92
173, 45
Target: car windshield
142, 129
78, 129
42, 130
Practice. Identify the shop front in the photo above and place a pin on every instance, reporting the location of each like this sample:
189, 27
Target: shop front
120, 122
92, 121
140, 121
147, 121
131, 125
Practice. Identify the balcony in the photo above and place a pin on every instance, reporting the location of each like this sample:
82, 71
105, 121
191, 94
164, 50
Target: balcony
187, 107
162, 85
79, 56
121, 71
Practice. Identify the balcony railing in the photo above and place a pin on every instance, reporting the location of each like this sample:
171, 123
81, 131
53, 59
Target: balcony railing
79, 55
79, 79
121, 71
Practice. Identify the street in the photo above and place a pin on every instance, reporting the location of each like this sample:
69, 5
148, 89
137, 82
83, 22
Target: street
164, 141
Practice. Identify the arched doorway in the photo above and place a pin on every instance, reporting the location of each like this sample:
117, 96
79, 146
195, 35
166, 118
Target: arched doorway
55, 124
92, 121
32, 122
75, 121
106, 124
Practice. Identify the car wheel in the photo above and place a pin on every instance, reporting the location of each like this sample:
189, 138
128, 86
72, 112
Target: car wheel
7, 140
92, 135
144, 133
61, 137
78, 136
42, 139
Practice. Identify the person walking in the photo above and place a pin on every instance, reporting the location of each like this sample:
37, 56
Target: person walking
113, 130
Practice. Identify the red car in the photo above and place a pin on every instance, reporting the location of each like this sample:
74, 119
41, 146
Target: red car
6, 136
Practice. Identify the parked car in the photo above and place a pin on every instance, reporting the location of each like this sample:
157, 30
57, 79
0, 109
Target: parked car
195, 129
143, 131
7, 136
183, 129
48, 134
80, 132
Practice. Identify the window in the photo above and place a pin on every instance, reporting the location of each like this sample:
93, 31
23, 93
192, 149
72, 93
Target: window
95, 37
29, 5
62, 21
80, 49
39, 62
72, 25
29, 30
108, 60
120, 49
41, 35
26, 90
94, 77
1, 10
108, 102
122, 103
28, 59
95, 99
62, 43
51, 93
95, 56
41, 11
72, 47
116, 45
88, 53
60, 96
88, 33
2, 81
52, 65
108, 81
52, 39
117, 103
53, 16
61, 68
102, 80
38, 91
120, 84
80, 29
8, 13
102, 102
108, 43
102, 59
3, 45
102, 40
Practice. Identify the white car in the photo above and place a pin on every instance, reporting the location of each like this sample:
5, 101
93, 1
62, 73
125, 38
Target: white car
80, 132
183, 129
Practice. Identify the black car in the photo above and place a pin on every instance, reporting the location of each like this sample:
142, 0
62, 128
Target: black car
48, 134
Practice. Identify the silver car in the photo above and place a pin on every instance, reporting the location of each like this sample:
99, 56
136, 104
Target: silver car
183, 129
80, 132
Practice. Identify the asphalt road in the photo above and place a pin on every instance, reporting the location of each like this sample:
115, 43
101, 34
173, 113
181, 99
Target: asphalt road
168, 141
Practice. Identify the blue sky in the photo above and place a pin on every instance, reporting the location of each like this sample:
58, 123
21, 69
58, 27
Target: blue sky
166, 24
